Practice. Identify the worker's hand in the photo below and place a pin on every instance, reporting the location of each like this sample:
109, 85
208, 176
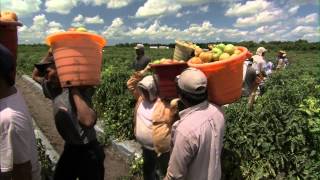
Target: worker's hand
146, 69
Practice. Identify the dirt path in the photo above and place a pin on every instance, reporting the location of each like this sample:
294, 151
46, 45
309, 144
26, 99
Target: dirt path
41, 110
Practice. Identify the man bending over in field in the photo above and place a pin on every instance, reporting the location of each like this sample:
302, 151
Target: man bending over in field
83, 156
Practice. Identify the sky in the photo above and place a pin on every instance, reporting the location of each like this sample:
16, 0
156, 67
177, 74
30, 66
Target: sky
164, 21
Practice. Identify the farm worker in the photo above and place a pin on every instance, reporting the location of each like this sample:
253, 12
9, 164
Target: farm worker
282, 60
39, 75
269, 68
259, 62
83, 156
198, 135
18, 149
141, 60
249, 79
153, 118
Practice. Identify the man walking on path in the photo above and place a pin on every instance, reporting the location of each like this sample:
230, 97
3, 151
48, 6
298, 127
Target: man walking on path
141, 60
198, 135
83, 156
18, 149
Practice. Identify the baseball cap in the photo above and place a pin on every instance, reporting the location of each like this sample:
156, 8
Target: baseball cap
261, 50
193, 81
139, 46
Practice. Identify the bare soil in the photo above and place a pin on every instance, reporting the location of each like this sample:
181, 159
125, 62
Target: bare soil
41, 110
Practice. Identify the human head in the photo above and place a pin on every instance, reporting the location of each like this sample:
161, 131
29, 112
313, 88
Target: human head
261, 51
139, 49
148, 89
282, 54
7, 72
192, 86
48, 70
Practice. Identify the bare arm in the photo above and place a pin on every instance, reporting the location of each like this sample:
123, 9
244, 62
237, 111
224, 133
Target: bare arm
134, 80
85, 113
36, 75
22, 171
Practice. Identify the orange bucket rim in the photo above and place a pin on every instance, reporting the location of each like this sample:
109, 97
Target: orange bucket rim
244, 52
51, 38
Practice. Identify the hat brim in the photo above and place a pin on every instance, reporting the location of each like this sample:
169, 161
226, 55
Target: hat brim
42, 66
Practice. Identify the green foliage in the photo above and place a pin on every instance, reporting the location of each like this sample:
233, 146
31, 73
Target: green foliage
278, 140
47, 166
280, 137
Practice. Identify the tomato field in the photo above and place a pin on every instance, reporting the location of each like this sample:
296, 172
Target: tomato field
279, 139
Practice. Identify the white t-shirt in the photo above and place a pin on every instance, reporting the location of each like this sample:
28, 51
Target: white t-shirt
17, 139
259, 64
144, 124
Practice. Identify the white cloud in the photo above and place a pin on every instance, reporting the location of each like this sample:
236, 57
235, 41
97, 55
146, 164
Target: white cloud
260, 18
60, 6
153, 8
54, 27
39, 30
309, 33
93, 20
183, 14
115, 4
204, 8
309, 19
116, 30
21, 7
303, 30
293, 10
156, 8
249, 8
78, 18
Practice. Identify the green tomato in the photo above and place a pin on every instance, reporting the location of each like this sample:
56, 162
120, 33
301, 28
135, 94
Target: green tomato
216, 52
221, 46
224, 56
156, 62
229, 48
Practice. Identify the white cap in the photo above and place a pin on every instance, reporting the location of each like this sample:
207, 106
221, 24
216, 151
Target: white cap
261, 50
139, 46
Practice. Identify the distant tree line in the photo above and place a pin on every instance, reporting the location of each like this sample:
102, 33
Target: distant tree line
284, 45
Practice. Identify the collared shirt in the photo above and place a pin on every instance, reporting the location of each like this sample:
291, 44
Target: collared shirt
197, 143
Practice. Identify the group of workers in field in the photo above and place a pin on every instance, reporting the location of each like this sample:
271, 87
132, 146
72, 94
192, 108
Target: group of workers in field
181, 138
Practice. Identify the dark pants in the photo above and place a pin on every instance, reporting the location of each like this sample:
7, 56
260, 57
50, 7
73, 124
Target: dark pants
81, 161
154, 167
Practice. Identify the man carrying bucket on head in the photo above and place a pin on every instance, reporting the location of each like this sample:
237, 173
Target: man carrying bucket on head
198, 135
153, 118
141, 60
83, 156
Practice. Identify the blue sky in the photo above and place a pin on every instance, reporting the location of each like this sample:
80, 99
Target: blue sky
163, 21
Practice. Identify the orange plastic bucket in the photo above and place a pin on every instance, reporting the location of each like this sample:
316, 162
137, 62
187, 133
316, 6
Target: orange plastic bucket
224, 78
78, 57
9, 37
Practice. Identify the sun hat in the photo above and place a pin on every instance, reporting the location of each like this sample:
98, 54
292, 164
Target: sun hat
192, 81
261, 50
139, 46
